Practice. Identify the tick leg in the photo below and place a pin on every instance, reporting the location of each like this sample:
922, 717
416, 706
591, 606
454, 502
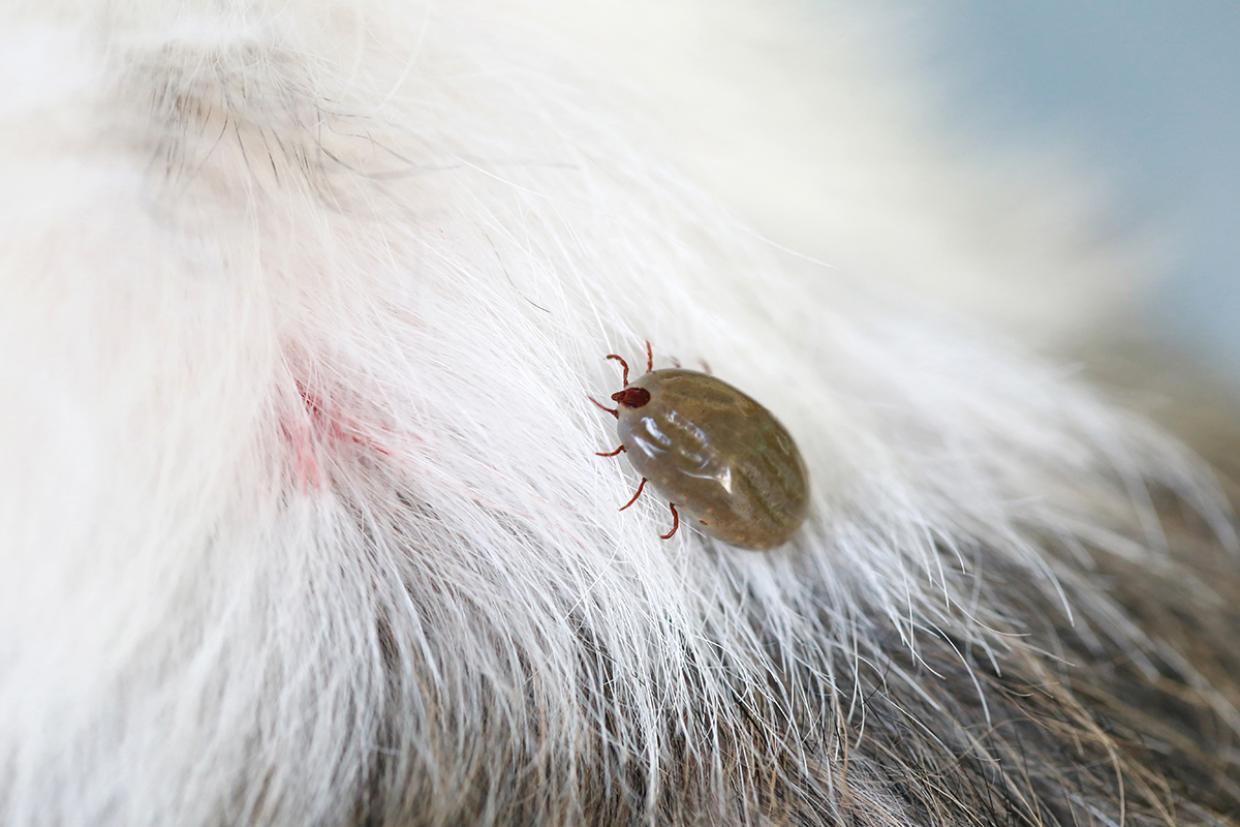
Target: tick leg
649, 357
675, 523
609, 453
613, 411
636, 494
624, 364
706, 367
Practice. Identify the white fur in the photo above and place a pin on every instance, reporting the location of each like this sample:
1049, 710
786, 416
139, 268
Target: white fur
220, 602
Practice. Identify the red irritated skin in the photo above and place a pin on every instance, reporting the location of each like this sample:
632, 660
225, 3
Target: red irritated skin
717, 454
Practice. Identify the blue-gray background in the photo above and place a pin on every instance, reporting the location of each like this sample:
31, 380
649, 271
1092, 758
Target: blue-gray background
1149, 92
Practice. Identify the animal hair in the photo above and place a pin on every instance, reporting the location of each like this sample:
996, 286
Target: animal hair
301, 519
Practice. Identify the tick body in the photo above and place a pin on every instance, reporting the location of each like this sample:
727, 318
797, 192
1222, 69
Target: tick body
715, 453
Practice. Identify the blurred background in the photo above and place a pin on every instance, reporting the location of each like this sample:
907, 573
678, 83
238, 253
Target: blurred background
1144, 94
1066, 174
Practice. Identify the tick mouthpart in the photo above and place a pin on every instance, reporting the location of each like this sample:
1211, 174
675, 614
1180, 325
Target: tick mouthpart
631, 397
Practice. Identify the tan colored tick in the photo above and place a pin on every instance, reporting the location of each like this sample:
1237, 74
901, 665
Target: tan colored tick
712, 450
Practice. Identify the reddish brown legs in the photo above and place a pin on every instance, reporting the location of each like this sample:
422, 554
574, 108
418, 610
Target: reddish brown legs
625, 379
706, 367
675, 514
613, 411
609, 453
636, 494
623, 364
675, 523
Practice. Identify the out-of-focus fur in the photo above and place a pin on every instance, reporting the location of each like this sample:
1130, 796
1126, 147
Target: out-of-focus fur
301, 524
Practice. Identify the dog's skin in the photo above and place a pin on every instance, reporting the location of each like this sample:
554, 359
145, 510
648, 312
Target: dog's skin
300, 516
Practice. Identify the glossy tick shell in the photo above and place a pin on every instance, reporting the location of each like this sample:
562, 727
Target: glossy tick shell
717, 454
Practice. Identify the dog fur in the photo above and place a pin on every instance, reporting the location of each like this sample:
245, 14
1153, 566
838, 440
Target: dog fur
301, 519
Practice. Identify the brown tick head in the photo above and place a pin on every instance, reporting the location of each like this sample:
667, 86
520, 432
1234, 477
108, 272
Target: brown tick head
631, 397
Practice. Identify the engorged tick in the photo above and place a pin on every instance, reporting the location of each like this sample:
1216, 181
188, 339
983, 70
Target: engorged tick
707, 447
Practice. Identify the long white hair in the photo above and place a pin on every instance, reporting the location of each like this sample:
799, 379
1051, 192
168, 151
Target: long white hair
300, 521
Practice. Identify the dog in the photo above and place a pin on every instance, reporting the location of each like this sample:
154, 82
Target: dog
302, 523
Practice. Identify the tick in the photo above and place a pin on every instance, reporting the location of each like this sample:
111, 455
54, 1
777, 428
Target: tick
713, 451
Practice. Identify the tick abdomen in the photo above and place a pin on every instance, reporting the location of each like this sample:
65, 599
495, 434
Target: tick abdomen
719, 455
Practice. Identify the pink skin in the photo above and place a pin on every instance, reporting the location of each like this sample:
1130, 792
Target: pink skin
320, 428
